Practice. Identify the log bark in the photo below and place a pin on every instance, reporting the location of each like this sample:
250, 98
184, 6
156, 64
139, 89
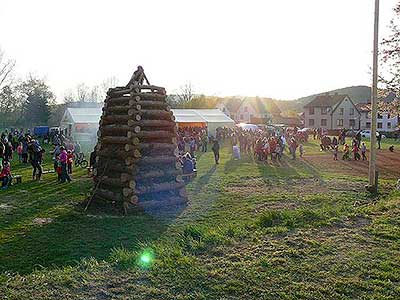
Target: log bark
117, 168
118, 129
119, 119
114, 182
161, 146
138, 89
155, 105
119, 140
116, 101
157, 173
150, 160
156, 114
128, 192
119, 154
159, 187
151, 134
152, 123
122, 109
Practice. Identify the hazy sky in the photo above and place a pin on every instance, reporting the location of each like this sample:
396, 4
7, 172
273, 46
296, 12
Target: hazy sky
275, 48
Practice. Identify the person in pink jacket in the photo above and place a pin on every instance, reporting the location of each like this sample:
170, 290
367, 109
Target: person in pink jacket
64, 160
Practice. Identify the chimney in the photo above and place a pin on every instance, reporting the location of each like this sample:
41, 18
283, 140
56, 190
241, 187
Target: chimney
336, 94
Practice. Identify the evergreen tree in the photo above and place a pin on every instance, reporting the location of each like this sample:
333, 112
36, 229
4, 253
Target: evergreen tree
38, 98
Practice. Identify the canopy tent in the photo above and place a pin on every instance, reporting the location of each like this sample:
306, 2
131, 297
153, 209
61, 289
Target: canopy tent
81, 123
210, 118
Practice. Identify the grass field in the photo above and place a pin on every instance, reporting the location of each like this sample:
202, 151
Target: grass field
295, 230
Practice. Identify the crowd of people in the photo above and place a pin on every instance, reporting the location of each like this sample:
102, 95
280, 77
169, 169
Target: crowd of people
265, 144
20, 146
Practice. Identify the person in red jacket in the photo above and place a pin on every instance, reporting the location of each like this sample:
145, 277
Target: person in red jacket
70, 159
5, 175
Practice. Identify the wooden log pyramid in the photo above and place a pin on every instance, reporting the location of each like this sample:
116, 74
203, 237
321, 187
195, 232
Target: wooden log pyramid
136, 153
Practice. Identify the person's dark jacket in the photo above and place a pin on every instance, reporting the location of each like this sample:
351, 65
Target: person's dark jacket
215, 147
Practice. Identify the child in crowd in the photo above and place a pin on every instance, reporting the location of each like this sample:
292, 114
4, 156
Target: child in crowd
278, 151
356, 154
236, 152
335, 152
301, 150
363, 151
70, 159
58, 168
20, 148
346, 152
5, 175
391, 148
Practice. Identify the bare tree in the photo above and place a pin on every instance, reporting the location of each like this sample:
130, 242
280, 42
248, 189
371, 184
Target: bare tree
82, 93
95, 94
69, 96
186, 94
108, 83
6, 69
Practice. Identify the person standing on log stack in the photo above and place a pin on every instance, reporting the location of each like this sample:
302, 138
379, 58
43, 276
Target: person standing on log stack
137, 78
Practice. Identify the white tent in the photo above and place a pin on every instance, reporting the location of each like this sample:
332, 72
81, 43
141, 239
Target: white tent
83, 123
210, 118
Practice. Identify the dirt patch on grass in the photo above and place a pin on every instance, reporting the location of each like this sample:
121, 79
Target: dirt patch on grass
388, 164
42, 221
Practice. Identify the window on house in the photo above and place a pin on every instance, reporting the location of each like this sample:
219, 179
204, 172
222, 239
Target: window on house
251, 117
311, 122
339, 122
245, 109
324, 110
241, 117
389, 125
368, 124
341, 111
324, 122
311, 111
352, 123
380, 125
388, 116
379, 116
351, 111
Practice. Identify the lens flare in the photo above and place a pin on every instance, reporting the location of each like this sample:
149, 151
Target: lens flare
146, 258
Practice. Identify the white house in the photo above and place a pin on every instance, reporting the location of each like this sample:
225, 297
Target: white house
386, 121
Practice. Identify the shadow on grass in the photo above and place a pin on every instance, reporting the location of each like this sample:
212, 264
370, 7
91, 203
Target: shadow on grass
74, 236
70, 234
204, 179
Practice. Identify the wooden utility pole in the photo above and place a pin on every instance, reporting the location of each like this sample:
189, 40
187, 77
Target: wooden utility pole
373, 178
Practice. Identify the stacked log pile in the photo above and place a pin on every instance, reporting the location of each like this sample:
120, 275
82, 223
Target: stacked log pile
136, 161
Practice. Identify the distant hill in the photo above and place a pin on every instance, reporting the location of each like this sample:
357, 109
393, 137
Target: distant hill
359, 94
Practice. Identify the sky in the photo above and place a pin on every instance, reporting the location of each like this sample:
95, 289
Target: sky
282, 49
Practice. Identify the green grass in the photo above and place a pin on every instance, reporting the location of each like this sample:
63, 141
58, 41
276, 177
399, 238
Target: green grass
250, 231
